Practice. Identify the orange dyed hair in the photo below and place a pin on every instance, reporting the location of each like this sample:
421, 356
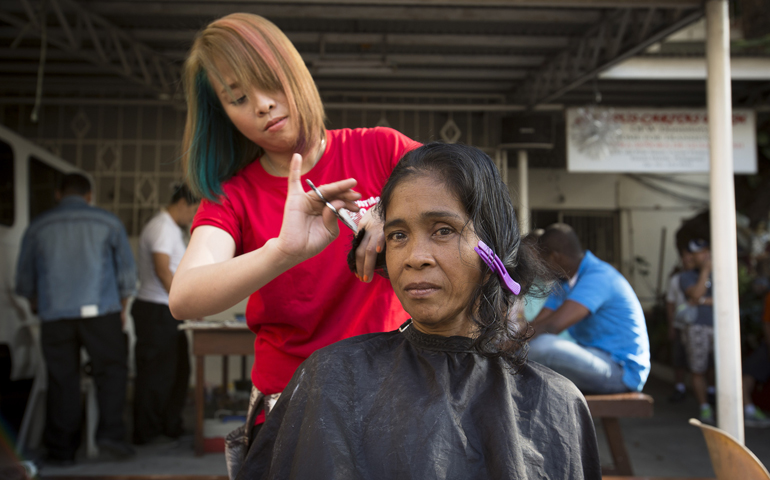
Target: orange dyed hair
257, 54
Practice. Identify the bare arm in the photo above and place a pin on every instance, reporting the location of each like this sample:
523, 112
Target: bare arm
161, 262
556, 321
211, 279
698, 291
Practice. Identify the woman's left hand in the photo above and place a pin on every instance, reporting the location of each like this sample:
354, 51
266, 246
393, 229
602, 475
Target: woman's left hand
372, 244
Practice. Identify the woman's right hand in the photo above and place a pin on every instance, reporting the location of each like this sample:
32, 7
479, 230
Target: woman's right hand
308, 225
211, 278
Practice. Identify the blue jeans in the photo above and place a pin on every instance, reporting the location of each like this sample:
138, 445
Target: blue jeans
590, 369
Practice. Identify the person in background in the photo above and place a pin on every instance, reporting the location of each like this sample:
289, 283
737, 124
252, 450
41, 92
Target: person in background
611, 352
675, 300
756, 369
77, 270
162, 359
699, 335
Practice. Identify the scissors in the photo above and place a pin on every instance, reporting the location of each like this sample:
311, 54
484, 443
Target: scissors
342, 214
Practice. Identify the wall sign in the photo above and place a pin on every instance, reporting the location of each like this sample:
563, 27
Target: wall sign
652, 140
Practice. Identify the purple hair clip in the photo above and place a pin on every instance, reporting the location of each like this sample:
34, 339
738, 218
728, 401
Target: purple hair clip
494, 262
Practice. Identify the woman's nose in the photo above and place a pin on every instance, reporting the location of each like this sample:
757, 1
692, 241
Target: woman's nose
263, 103
419, 255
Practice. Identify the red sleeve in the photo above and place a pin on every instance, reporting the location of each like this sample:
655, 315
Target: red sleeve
220, 215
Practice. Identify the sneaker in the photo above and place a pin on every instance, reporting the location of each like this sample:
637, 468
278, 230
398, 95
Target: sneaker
758, 420
677, 396
707, 415
118, 449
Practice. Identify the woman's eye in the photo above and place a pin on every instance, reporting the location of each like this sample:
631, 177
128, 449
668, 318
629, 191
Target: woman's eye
396, 236
239, 101
444, 231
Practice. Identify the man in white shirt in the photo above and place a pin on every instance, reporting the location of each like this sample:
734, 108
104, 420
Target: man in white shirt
162, 362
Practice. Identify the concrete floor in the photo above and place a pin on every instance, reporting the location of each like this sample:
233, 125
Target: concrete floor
664, 445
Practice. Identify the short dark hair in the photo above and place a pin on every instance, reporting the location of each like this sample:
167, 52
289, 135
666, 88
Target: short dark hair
475, 181
74, 184
182, 191
561, 238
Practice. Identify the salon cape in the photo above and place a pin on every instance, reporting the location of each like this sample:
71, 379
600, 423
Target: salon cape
406, 405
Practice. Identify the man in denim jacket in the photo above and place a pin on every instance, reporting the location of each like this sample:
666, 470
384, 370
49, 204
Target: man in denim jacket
77, 270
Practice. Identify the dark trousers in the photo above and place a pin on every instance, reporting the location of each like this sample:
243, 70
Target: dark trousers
162, 372
105, 342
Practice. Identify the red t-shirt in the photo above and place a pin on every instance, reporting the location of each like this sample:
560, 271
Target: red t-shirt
319, 301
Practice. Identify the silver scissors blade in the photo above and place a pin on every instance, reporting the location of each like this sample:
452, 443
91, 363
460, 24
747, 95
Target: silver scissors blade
342, 214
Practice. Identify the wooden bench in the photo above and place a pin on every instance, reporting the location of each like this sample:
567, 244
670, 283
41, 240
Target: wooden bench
610, 408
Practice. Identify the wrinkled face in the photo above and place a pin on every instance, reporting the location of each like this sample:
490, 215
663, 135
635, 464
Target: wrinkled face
262, 117
429, 253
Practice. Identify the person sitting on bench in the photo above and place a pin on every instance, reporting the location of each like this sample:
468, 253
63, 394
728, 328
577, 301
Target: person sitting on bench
449, 394
598, 306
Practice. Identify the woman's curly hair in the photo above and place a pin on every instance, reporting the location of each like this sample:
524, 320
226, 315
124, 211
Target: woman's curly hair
472, 177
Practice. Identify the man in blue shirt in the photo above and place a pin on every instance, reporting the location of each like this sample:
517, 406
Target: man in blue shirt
597, 305
77, 270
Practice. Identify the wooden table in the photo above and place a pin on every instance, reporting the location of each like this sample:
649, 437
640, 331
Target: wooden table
209, 338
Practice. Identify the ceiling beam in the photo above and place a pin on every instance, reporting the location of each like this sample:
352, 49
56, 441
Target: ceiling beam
398, 39
490, 3
410, 85
90, 37
621, 35
432, 60
491, 97
414, 73
396, 60
294, 10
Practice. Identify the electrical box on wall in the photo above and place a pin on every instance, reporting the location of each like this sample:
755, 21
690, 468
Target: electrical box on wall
527, 131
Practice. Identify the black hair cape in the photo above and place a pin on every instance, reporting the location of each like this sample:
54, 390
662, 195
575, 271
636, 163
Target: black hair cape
408, 405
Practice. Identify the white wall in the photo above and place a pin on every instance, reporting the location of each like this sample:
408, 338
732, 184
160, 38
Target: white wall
644, 213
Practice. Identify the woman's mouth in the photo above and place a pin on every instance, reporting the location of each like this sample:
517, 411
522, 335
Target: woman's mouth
276, 124
420, 289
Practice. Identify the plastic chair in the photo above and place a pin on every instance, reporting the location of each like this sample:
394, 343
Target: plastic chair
730, 459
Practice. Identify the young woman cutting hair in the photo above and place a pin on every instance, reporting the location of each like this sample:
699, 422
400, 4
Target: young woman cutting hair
255, 118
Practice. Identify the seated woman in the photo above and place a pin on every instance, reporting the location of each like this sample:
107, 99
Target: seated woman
449, 394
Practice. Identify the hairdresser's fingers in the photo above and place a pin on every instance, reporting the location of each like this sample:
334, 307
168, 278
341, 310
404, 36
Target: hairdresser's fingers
371, 245
330, 222
373, 248
342, 190
364, 249
295, 173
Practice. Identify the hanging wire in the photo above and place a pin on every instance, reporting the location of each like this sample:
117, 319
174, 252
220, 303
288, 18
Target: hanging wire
647, 183
677, 181
41, 65
597, 93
